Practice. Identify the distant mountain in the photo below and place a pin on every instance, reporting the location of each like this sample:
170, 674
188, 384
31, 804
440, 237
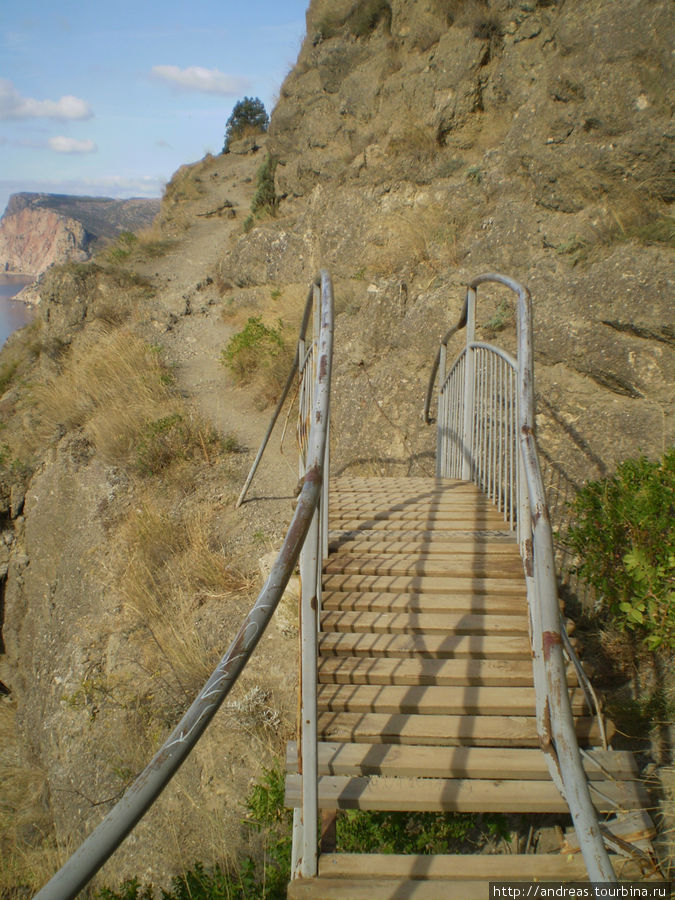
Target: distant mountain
39, 230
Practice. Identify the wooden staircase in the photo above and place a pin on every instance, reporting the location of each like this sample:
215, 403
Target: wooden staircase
426, 697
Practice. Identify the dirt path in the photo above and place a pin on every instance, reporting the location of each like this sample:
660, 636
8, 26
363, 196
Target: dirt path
197, 333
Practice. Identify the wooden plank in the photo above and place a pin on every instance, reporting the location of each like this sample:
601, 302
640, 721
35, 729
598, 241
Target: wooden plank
425, 544
481, 540
355, 670
449, 646
512, 587
456, 795
385, 889
455, 867
477, 731
406, 564
471, 517
521, 763
434, 700
384, 601
425, 623
442, 527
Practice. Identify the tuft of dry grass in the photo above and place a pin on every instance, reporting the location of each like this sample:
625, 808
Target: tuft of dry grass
423, 236
175, 568
28, 853
116, 387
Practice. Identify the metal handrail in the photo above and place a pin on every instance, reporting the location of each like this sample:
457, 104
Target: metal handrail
480, 445
119, 822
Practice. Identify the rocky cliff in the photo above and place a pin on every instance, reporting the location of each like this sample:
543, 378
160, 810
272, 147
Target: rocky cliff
40, 230
414, 145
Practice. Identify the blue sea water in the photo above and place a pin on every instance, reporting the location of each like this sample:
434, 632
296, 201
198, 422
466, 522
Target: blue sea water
13, 313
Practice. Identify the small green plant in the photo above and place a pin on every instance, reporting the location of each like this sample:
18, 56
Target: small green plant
253, 349
474, 173
170, 439
275, 293
248, 117
503, 317
265, 200
360, 831
122, 248
623, 536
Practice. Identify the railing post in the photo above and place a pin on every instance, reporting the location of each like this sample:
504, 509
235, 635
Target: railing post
442, 426
467, 431
309, 564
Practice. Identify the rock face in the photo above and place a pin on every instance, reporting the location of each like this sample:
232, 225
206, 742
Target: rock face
431, 141
40, 230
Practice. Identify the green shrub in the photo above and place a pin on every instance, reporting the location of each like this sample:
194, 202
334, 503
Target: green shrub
623, 536
264, 199
173, 438
248, 117
260, 354
360, 831
126, 242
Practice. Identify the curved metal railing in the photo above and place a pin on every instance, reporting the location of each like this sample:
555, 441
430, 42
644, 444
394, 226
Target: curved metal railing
485, 434
120, 821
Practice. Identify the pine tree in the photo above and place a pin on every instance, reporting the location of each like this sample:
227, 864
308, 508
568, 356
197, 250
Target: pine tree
248, 117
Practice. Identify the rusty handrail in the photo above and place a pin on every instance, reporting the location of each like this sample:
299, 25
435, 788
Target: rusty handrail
472, 439
117, 824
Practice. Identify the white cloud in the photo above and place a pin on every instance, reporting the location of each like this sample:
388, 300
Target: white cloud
14, 106
62, 144
197, 78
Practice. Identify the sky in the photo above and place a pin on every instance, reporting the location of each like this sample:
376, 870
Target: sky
110, 98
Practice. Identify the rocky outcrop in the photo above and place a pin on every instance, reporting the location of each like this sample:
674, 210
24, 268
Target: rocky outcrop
41, 230
429, 141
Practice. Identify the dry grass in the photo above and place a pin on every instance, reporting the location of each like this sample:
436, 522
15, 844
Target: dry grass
115, 387
28, 855
175, 569
421, 237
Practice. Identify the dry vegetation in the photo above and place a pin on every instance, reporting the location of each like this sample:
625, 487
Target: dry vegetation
27, 848
175, 570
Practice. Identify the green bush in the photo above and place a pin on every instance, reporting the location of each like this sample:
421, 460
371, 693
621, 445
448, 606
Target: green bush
264, 199
622, 533
360, 831
248, 117
254, 350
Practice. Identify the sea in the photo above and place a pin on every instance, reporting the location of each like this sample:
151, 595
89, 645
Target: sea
13, 313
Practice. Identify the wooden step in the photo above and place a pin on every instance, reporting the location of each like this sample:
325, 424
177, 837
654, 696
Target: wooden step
467, 518
445, 528
423, 545
436, 646
489, 672
487, 566
370, 876
504, 763
434, 700
425, 623
511, 587
477, 731
457, 795
427, 602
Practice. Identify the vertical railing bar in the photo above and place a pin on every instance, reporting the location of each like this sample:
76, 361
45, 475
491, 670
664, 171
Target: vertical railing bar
493, 437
